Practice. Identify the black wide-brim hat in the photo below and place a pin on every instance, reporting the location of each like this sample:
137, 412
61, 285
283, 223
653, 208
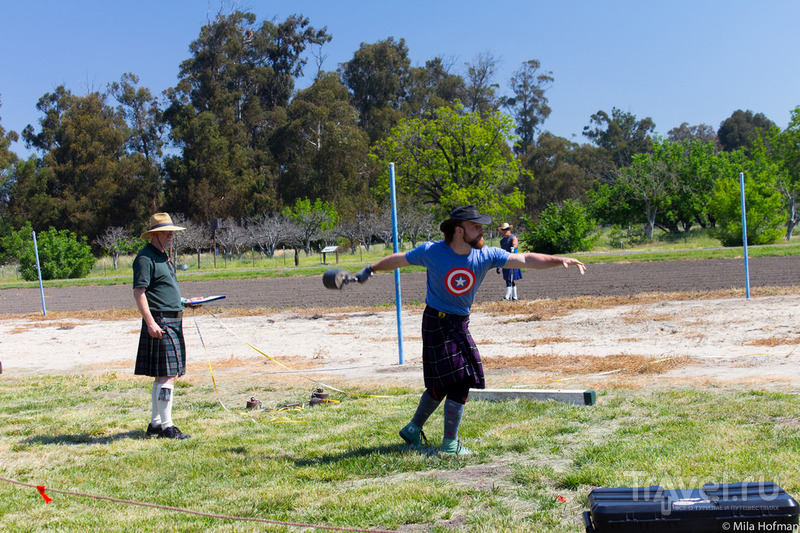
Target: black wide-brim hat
467, 212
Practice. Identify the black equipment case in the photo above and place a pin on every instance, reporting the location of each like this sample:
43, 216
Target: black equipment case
756, 506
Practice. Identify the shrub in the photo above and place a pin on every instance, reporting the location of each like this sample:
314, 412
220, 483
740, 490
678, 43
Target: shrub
561, 228
61, 254
764, 219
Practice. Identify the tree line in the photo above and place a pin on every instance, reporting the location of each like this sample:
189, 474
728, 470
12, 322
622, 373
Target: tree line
234, 140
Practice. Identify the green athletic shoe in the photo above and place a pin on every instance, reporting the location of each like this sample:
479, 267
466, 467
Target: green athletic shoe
413, 434
454, 447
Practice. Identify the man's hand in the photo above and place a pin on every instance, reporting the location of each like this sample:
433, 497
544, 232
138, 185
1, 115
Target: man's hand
364, 274
155, 330
567, 261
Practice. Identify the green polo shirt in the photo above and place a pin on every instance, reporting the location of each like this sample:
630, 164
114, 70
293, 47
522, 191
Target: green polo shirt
153, 272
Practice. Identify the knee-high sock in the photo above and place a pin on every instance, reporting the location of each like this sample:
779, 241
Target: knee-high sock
453, 411
427, 405
155, 416
165, 405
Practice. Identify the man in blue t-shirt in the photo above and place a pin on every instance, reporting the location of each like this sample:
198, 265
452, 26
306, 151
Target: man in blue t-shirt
455, 267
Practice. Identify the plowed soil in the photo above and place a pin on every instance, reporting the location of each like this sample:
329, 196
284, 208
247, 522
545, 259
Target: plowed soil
541, 340
618, 279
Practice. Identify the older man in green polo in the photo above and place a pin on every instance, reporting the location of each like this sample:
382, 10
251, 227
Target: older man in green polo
162, 351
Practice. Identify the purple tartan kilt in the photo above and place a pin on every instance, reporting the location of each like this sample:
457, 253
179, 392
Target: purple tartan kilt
512, 274
165, 356
449, 355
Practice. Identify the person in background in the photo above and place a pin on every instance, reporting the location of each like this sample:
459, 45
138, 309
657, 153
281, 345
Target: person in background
162, 351
510, 244
456, 266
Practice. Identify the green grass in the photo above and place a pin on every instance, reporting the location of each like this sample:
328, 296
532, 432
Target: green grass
343, 465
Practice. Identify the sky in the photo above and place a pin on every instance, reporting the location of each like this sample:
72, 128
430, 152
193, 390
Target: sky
675, 61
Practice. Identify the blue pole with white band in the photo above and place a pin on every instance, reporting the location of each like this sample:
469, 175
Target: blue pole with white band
39, 272
744, 238
397, 301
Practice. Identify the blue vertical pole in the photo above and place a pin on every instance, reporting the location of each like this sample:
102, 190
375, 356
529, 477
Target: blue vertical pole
744, 237
39, 271
397, 301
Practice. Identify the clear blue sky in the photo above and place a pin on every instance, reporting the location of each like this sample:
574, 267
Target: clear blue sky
694, 61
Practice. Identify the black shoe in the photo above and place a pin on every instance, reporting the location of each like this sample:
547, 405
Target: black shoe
153, 431
172, 432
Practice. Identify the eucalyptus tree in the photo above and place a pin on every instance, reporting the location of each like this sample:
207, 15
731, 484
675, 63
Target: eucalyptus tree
741, 128
323, 152
528, 105
93, 180
143, 114
432, 86
7, 160
686, 133
377, 77
229, 101
481, 91
620, 136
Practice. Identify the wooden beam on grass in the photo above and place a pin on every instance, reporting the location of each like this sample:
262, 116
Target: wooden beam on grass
578, 397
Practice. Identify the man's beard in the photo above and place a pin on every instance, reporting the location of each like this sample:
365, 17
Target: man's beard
476, 243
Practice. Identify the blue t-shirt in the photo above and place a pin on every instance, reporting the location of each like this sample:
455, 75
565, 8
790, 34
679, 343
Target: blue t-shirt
453, 279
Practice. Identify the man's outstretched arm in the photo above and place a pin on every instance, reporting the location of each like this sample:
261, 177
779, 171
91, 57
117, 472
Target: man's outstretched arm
542, 261
390, 262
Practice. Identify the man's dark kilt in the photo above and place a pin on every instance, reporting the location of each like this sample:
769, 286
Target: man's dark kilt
164, 357
512, 274
449, 355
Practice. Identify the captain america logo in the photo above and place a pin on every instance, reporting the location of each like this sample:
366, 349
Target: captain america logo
459, 281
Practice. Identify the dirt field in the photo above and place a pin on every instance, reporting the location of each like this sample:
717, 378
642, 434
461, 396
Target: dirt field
620, 279
340, 338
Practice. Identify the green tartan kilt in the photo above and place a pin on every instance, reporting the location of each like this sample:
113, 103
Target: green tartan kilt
164, 357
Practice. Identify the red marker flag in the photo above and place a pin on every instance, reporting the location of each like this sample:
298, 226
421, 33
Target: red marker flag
47, 499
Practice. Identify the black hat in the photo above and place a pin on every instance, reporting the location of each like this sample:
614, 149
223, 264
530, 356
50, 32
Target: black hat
467, 212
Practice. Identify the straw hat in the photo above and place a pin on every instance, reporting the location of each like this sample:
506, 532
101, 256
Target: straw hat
160, 222
505, 226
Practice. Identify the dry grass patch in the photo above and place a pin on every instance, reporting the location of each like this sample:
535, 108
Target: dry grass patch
625, 364
548, 309
28, 326
775, 341
639, 316
545, 340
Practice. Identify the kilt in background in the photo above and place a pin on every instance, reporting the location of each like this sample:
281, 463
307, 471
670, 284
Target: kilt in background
512, 274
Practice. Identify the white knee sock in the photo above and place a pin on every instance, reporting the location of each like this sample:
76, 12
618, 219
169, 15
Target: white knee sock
155, 416
165, 405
